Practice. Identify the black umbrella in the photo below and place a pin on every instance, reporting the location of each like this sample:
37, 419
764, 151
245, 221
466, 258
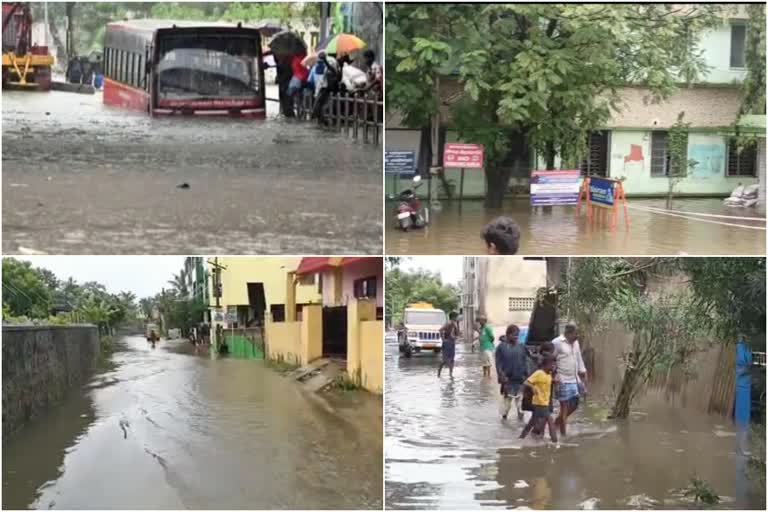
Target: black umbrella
268, 28
287, 43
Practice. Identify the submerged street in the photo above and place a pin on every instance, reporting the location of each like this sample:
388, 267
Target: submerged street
169, 429
456, 229
83, 178
446, 447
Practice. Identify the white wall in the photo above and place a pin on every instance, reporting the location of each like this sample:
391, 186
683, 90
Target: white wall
717, 53
503, 278
708, 178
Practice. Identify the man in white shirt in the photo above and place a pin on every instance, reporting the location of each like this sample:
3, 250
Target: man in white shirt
571, 374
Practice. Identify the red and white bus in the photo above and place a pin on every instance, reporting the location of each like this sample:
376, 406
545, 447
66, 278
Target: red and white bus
181, 67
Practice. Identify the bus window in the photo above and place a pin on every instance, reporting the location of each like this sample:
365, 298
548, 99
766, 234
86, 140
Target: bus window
192, 67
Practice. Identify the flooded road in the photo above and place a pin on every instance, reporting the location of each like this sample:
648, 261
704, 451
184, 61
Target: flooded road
82, 178
446, 447
557, 230
163, 429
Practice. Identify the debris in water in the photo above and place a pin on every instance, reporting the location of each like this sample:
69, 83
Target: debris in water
589, 504
521, 484
47, 113
27, 251
18, 185
184, 185
723, 433
641, 501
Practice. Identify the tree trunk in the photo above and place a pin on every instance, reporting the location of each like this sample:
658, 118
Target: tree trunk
624, 400
498, 181
549, 156
70, 7
61, 50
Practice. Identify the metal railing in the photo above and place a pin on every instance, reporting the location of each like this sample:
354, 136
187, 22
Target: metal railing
358, 115
758, 358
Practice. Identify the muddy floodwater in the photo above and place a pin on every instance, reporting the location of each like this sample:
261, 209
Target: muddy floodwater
455, 229
83, 178
165, 429
446, 447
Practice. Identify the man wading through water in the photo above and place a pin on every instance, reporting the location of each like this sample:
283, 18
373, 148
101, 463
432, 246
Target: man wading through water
571, 374
449, 333
512, 370
486, 345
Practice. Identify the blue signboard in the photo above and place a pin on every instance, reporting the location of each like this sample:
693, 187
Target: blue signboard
549, 188
400, 162
601, 192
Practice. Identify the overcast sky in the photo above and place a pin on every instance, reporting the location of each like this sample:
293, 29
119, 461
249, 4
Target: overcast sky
449, 267
142, 275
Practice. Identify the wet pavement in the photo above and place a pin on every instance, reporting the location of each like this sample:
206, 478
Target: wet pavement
557, 230
447, 448
165, 429
83, 178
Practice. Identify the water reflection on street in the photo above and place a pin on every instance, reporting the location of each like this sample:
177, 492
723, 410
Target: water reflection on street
170, 430
456, 228
446, 447
80, 177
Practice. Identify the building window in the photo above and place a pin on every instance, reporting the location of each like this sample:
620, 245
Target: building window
660, 158
738, 44
741, 163
595, 162
278, 312
365, 287
521, 303
307, 279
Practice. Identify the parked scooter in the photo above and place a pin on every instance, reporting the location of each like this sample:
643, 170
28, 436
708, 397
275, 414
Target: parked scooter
410, 213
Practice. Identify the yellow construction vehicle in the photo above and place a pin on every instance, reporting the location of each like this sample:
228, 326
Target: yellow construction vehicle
25, 65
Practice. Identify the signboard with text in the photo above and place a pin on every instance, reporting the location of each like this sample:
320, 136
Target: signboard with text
400, 162
463, 156
550, 188
601, 192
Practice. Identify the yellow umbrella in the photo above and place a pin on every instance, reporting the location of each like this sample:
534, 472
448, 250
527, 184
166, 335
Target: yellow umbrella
344, 43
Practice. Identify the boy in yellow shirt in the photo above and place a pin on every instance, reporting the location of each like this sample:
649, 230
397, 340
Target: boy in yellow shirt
540, 384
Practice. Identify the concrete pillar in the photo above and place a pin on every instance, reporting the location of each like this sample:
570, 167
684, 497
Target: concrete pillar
311, 333
358, 310
290, 297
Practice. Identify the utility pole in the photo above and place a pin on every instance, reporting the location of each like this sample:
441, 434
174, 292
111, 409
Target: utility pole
217, 293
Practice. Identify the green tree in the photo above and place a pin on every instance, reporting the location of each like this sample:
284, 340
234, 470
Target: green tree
179, 283
25, 289
754, 82
404, 288
537, 75
674, 307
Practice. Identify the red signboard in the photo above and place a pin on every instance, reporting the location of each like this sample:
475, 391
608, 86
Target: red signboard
467, 156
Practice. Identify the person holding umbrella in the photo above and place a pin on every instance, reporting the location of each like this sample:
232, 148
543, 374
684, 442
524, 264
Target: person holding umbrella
286, 47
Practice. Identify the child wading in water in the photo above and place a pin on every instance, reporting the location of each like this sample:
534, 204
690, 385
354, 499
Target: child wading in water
540, 384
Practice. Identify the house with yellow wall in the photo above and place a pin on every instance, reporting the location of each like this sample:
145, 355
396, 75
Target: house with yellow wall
251, 287
346, 325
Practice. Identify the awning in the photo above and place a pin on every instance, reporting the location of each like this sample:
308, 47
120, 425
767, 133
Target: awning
315, 265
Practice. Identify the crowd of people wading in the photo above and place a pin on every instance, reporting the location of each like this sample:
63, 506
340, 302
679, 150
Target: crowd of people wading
529, 380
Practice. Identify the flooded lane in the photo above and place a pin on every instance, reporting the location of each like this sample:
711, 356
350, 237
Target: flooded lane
170, 430
79, 177
446, 447
557, 230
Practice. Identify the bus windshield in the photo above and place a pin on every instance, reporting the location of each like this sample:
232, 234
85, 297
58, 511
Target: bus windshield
424, 317
207, 67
